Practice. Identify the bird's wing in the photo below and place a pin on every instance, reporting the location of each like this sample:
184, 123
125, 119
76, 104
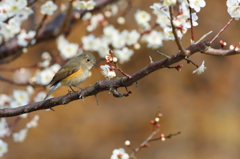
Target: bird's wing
68, 69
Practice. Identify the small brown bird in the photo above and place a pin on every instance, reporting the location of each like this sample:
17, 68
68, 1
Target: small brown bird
74, 72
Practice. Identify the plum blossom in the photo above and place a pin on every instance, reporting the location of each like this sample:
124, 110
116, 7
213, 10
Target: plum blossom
119, 154
233, 8
20, 136
107, 72
3, 147
200, 69
24, 38
67, 49
48, 8
124, 54
197, 4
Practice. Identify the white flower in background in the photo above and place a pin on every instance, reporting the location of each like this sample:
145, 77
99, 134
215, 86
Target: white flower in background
118, 41
4, 100
34, 122
90, 5
48, 8
23, 14
21, 75
24, 38
121, 20
200, 69
30, 90
185, 20
109, 31
94, 21
157, 8
21, 97
107, 72
20, 136
124, 54
103, 50
46, 56
55, 68
44, 64
3, 17
142, 17
40, 96
87, 16
169, 34
67, 50
3, 147
44, 77
4, 131
131, 37
233, 8
197, 4
154, 39
9, 30
13, 7
91, 43
169, 2
82, 5
163, 20
119, 154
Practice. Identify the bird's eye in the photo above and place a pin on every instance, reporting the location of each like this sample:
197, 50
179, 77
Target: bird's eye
87, 60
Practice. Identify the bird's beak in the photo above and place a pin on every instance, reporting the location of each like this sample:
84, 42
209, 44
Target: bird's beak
95, 64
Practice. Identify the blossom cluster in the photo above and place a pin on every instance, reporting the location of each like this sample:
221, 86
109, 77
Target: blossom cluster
234, 8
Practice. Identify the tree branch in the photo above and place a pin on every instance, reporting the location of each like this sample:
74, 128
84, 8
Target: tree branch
106, 85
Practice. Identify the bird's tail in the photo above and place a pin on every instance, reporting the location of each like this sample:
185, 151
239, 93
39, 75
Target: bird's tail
54, 86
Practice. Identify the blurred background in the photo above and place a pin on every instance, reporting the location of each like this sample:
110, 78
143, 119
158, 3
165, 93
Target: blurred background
204, 108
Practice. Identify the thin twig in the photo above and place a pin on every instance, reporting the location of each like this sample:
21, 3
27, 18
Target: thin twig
145, 142
221, 31
204, 36
178, 42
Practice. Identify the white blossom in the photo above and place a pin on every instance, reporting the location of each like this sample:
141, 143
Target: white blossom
23, 14
91, 43
3, 147
131, 37
154, 39
119, 154
48, 8
44, 77
107, 72
169, 2
34, 122
3, 128
169, 34
20, 136
197, 4
4, 100
82, 5
40, 96
124, 54
142, 16
21, 97
24, 38
67, 49
200, 69
233, 8
13, 7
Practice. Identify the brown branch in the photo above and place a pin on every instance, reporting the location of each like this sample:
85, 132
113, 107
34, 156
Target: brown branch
178, 42
191, 22
11, 50
220, 52
105, 85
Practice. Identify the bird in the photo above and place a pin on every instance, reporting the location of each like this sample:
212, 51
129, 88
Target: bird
73, 73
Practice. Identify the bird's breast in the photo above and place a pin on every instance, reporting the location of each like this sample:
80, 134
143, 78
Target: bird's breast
76, 78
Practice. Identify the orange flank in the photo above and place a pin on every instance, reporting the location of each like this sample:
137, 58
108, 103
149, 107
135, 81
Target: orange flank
74, 75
